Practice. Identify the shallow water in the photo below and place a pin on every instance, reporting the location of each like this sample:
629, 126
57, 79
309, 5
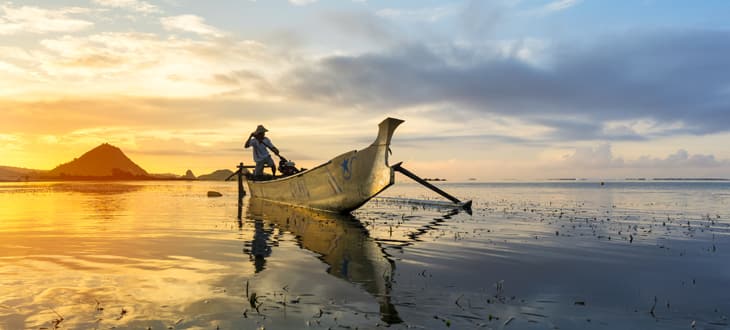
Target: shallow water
568, 255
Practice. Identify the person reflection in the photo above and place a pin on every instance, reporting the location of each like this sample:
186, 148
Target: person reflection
259, 248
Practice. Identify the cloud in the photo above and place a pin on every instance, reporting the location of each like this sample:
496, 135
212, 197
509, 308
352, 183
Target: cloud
559, 5
599, 157
144, 113
190, 23
365, 26
681, 159
480, 18
573, 129
602, 157
133, 5
10, 68
302, 2
550, 8
106, 62
672, 78
430, 14
29, 19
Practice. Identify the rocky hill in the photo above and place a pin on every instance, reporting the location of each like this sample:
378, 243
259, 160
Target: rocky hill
188, 175
104, 161
218, 175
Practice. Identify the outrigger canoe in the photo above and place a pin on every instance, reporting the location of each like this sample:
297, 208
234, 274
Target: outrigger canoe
344, 183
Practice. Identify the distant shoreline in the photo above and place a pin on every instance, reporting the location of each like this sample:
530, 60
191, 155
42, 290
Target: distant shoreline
102, 179
640, 179
690, 179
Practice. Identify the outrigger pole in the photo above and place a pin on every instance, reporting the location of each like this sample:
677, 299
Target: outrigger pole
465, 205
239, 173
241, 191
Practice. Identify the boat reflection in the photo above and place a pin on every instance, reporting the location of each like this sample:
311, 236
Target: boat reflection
340, 240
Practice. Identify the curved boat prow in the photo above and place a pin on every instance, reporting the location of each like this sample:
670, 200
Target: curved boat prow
386, 128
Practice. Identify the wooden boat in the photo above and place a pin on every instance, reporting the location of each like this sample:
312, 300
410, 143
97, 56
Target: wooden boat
340, 185
341, 242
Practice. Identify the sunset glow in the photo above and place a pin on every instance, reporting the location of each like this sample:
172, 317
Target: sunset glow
488, 89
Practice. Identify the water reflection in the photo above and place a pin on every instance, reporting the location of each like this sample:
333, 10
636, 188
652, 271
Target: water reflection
340, 240
259, 248
95, 188
104, 200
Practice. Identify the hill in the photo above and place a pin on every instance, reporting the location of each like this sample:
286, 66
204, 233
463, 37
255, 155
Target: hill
218, 175
105, 161
188, 175
9, 173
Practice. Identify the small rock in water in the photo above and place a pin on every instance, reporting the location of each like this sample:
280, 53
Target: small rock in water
214, 194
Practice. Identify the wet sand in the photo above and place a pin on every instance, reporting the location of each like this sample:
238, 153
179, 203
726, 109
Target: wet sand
569, 255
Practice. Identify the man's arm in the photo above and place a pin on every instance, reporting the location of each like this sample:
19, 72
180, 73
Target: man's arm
271, 146
248, 141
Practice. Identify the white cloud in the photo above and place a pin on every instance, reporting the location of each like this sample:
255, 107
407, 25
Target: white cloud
10, 68
190, 23
301, 2
560, 5
553, 7
307, 2
134, 5
39, 20
432, 14
107, 62
602, 157
681, 159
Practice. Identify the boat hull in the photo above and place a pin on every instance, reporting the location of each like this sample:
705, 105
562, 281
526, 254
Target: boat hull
341, 185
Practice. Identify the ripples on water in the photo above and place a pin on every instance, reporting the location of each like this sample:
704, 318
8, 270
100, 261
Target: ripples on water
162, 255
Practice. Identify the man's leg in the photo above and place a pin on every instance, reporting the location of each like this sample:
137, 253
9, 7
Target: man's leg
259, 170
273, 166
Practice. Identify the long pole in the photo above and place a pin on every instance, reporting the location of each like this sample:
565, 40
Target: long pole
399, 168
241, 192
410, 174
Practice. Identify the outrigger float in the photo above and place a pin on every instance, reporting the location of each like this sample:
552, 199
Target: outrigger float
344, 183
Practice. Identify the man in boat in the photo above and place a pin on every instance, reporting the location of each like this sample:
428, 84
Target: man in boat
261, 156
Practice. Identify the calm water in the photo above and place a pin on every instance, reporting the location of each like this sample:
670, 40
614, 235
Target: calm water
568, 255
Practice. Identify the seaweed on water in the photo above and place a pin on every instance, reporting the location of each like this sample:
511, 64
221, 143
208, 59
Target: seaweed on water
653, 307
457, 301
122, 313
445, 321
255, 304
57, 322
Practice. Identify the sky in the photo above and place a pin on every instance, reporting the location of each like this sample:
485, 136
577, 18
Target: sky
492, 90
